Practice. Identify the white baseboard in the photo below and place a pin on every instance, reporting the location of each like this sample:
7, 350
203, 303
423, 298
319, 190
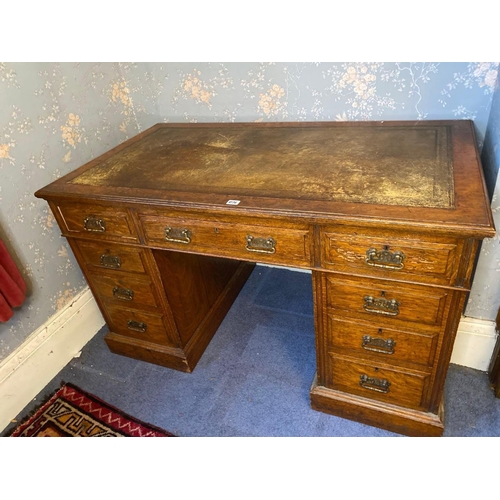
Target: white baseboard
45, 353
474, 343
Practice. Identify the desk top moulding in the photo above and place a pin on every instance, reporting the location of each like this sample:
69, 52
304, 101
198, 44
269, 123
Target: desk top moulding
405, 172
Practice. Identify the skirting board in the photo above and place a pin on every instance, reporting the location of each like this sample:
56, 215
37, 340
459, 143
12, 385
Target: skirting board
45, 353
52, 346
474, 343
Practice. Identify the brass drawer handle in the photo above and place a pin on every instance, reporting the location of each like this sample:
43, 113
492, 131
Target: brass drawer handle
378, 344
374, 384
260, 245
385, 258
92, 223
381, 305
112, 261
178, 235
137, 326
123, 293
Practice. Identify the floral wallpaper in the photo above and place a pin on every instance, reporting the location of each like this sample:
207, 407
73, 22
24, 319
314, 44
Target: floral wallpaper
53, 118
310, 91
56, 116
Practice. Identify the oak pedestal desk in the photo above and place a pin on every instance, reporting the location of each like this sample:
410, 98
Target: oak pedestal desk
388, 216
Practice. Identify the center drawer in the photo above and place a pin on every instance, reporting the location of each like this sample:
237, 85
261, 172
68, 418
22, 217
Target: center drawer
250, 242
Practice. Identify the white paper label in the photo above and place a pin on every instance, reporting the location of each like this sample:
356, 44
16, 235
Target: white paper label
232, 202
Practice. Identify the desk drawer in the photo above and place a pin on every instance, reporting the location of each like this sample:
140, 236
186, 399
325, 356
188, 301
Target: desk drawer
100, 222
381, 344
139, 325
380, 382
103, 255
391, 255
124, 289
258, 243
387, 303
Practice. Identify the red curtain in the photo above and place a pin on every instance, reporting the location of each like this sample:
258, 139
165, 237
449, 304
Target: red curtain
12, 285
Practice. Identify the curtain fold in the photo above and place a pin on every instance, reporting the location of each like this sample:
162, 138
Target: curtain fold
12, 285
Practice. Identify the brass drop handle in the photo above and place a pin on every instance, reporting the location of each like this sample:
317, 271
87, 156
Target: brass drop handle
374, 384
375, 344
136, 326
93, 223
381, 305
260, 245
178, 235
385, 258
111, 261
123, 293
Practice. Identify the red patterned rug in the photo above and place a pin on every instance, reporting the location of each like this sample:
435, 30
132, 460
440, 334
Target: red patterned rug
72, 412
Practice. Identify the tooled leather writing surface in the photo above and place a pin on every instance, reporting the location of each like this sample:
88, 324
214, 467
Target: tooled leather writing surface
396, 165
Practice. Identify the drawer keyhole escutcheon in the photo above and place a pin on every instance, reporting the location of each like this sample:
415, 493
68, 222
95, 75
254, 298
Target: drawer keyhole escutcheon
385, 258
92, 223
381, 305
136, 326
123, 293
178, 235
261, 245
374, 384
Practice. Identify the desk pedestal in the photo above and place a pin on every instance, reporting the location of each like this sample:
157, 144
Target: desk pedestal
162, 307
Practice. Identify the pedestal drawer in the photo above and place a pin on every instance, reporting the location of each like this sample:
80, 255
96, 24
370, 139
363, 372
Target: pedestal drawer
256, 243
390, 254
139, 325
380, 382
124, 289
387, 303
381, 344
105, 255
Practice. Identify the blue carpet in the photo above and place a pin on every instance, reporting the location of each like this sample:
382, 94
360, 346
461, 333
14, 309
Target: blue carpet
255, 376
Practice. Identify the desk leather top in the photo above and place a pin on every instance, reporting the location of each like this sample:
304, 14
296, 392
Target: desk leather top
384, 165
426, 171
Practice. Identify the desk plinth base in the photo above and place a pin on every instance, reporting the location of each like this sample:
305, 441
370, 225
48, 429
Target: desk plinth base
385, 416
149, 352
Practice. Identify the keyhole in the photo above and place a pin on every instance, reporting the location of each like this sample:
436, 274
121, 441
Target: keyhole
382, 294
380, 331
376, 369
386, 247
216, 230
